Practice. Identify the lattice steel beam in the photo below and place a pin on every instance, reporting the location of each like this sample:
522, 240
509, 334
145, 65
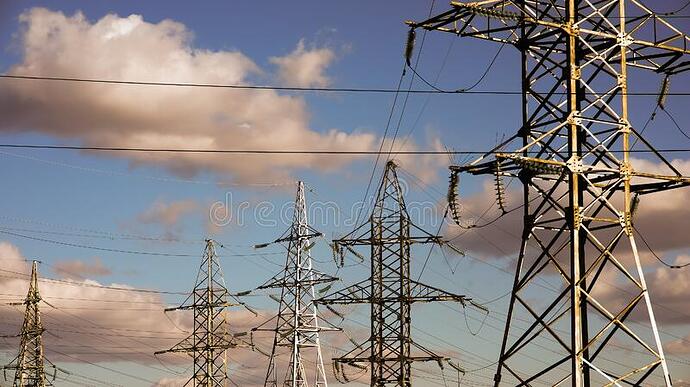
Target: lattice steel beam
572, 154
209, 341
29, 365
296, 326
389, 290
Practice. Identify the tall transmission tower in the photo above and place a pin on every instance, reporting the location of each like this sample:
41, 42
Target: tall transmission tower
209, 341
390, 291
29, 365
573, 156
297, 322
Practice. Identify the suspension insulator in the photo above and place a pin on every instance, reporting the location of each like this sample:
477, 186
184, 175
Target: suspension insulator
500, 188
663, 91
453, 204
336, 372
338, 255
634, 205
409, 46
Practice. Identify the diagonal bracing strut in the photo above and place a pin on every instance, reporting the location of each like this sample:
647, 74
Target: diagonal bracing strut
572, 155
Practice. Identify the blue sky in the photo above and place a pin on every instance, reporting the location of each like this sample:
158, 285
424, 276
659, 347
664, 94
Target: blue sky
100, 200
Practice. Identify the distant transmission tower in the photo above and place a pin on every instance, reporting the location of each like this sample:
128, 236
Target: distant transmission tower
297, 322
573, 156
209, 341
390, 290
29, 365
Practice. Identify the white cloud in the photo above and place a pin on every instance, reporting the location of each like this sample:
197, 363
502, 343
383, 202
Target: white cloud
85, 316
304, 67
96, 324
171, 382
78, 269
130, 48
167, 214
668, 289
679, 347
89, 322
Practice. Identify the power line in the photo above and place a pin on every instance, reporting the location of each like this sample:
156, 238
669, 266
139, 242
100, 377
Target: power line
135, 252
98, 233
408, 49
292, 88
673, 13
147, 177
290, 151
675, 123
462, 90
654, 254
89, 285
383, 141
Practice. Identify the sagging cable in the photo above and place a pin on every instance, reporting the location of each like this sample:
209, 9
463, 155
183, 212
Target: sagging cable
456, 367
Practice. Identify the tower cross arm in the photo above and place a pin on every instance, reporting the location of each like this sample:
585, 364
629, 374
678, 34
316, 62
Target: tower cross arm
410, 359
357, 293
652, 42
420, 292
187, 345
514, 163
221, 304
362, 354
281, 280
368, 241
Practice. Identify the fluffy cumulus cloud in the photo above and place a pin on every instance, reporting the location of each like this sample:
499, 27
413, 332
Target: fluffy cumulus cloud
167, 214
679, 347
171, 382
78, 269
89, 322
304, 68
129, 48
660, 215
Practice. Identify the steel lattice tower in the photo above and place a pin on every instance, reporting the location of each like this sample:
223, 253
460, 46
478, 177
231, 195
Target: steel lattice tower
390, 291
209, 341
573, 156
29, 364
297, 322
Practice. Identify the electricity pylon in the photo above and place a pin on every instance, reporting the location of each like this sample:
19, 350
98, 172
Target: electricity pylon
573, 154
390, 290
297, 322
29, 365
209, 341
